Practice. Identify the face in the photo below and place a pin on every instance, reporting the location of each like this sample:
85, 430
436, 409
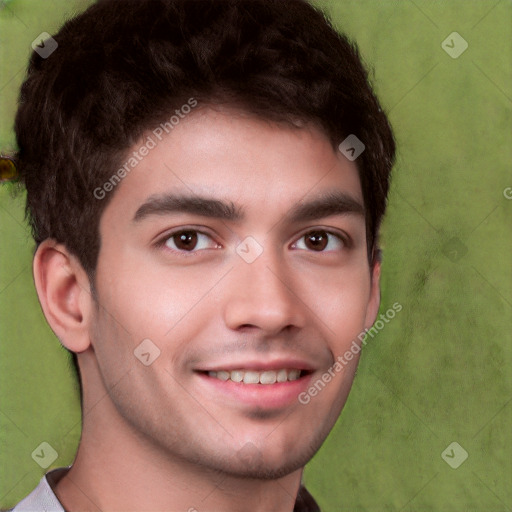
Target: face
237, 247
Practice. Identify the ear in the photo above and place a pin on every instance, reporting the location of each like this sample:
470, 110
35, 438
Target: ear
374, 300
64, 292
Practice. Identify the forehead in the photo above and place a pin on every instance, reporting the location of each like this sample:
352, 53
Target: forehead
235, 157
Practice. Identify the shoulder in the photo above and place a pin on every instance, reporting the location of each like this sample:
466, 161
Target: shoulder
42, 498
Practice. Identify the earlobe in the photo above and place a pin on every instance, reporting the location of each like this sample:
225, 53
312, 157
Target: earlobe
374, 301
64, 293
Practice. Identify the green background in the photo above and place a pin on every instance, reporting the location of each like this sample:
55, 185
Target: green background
441, 370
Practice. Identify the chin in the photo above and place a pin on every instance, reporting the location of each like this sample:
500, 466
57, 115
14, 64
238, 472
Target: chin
261, 464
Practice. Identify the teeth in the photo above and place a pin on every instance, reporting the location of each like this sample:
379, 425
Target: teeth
236, 376
268, 377
282, 376
223, 375
253, 377
293, 374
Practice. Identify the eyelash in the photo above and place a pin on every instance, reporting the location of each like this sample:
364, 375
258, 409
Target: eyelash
344, 239
162, 242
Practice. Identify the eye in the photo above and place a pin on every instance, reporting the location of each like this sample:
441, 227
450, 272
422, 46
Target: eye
319, 241
188, 240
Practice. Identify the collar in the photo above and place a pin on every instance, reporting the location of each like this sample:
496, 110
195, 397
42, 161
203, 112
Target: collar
43, 497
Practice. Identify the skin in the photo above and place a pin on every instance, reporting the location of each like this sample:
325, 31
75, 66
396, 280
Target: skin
161, 437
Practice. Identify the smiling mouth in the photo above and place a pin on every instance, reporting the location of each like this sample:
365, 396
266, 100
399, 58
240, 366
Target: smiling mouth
265, 377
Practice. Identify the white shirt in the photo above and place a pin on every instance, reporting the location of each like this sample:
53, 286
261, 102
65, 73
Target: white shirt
42, 498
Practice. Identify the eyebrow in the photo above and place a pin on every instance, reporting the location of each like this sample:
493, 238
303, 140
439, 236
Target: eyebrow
333, 203
197, 205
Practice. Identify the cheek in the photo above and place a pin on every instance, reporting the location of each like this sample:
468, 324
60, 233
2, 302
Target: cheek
140, 300
340, 300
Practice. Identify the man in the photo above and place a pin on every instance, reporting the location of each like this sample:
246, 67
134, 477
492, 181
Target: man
205, 182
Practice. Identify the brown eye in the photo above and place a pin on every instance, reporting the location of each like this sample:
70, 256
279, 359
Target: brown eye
320, 240
189, 240
185, 241
317, 240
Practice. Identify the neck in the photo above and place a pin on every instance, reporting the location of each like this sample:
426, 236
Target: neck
118, 469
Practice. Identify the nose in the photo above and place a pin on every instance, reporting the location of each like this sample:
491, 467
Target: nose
263, 295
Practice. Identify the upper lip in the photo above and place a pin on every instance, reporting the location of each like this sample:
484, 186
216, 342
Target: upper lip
259, 365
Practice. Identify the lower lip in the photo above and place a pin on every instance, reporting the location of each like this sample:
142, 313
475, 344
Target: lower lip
265, 396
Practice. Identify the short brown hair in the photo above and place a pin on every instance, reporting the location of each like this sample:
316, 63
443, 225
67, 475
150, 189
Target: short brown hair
119, 70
